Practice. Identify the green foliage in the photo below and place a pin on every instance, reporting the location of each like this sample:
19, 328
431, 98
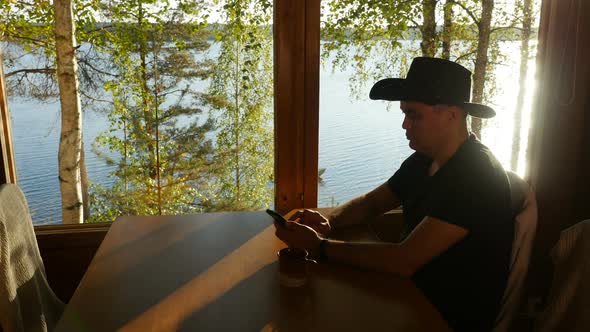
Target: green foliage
158, 129
379, 38
368, 36
110, 203
140, 59
242, 90
29, 22
27, 26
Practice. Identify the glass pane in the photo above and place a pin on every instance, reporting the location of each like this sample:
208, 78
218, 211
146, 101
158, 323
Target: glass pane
361, 141
176, 100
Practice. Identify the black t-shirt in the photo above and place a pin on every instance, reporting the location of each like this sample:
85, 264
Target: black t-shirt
470, 190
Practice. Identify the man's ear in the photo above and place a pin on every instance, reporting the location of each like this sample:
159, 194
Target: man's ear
448, 110
456, 112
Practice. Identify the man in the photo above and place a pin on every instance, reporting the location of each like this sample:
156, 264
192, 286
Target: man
455, 196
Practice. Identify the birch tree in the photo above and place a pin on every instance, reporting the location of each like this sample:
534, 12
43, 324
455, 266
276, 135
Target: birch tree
447, 29
29, 26
480, 68
428, 28
526, 7
70, 144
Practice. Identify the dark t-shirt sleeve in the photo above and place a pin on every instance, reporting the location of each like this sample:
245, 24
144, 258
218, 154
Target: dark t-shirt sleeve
459, 194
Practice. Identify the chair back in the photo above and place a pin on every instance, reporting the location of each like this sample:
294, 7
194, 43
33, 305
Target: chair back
568, 301
524, 205
27, 303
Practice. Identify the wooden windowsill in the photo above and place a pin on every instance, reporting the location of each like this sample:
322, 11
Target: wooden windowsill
72, 228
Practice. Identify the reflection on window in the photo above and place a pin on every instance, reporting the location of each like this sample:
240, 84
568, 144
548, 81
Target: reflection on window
176, 101
361, 141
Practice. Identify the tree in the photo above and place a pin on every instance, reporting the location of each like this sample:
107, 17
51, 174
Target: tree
70, 144
242, 86
369, 36
526, 7
428, 28
32, 25
157, 136
27, 28
481, 59
447, 29
362, 27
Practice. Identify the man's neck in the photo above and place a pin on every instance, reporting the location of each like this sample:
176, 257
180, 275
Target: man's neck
447, 150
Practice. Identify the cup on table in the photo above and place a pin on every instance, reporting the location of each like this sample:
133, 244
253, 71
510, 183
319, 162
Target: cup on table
293, 271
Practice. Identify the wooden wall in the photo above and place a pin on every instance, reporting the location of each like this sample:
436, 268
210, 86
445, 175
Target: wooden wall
66, 252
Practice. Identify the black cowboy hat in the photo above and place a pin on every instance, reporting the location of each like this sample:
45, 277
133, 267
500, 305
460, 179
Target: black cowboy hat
432, 81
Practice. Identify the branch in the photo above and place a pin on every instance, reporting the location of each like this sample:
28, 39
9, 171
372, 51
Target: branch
106, 27
506, 28
46, 70
166, 93
96, 69
411, 19
85, 95
464, 56
467, 10
26, 3
37, 42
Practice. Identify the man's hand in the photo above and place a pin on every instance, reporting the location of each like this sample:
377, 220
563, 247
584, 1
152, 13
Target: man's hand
314, 220
298, 236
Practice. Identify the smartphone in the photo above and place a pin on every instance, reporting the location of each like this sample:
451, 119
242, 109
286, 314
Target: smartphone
277, 217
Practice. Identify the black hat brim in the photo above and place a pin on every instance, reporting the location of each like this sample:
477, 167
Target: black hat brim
479, 110
396, 89
392, 89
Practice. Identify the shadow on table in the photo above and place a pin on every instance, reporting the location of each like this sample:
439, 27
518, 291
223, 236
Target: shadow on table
258, 303
335, 299
130, 268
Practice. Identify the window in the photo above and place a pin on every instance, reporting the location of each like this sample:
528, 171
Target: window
361, 141
489, 137
176, 106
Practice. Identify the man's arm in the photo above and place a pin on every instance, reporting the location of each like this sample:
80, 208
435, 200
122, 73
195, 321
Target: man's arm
428, 240
364, 208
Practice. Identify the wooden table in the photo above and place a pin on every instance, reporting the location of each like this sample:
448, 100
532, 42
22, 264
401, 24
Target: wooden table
219, 272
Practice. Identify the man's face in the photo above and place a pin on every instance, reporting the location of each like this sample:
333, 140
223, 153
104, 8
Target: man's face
425, 126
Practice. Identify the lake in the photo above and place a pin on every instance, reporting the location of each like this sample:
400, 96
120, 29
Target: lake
361, 143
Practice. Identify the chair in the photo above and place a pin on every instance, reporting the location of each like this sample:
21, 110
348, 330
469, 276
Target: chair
568, 301
27, 302
524, 205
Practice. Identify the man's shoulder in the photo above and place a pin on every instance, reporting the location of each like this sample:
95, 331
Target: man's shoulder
412, 170
417, 159
477, 175
478, 160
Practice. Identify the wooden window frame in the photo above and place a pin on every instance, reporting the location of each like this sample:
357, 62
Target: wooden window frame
8, 171
296, 101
